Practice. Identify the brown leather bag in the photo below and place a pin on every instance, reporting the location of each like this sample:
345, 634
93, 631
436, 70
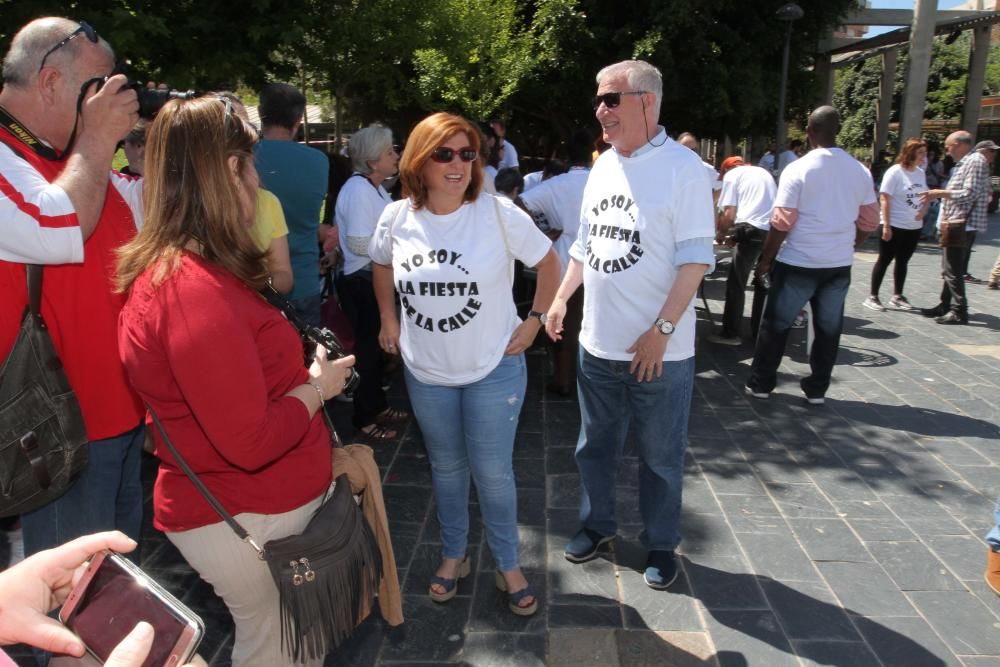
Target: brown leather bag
952, 235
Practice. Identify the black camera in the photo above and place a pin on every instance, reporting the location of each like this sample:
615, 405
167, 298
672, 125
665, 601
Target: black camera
151, 100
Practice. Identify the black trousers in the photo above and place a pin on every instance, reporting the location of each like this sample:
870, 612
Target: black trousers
954, 266
899, 249
746, 253
357, 299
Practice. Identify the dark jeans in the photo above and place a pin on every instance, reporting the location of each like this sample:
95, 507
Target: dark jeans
791, 288
899, 248
309, 309
954, 266
749, 243
357, 299
106, 496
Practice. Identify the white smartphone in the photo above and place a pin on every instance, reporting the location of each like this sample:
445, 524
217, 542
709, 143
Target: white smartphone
112, 596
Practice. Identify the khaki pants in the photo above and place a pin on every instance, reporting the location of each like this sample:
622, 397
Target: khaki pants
995, 273
244, 581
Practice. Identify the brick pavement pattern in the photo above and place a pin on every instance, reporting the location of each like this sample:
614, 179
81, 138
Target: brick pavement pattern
844, 534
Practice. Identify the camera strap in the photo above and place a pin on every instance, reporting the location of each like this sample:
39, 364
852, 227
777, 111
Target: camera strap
25, 136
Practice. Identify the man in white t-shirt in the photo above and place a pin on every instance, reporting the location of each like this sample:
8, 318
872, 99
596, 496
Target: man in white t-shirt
825, 207
746, 201
645, 242
688, 140
509, 156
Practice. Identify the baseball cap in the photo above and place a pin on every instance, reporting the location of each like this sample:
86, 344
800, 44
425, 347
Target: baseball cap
729, 163
987, 145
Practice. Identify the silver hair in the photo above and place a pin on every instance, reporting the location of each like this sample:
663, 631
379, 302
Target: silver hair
367, 145
20, 65
640, 76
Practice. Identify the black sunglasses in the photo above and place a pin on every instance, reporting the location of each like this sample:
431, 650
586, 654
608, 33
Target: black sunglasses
84, 29
444, 155
611, 100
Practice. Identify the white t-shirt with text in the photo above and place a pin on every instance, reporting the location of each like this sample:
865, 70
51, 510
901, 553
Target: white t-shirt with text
751, 190
904, 187
828, 187
635, 211
453, 275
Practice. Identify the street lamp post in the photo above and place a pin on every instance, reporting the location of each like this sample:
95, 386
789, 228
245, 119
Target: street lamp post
789, 13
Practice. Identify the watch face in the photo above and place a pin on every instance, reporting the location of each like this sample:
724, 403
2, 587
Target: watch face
664, 326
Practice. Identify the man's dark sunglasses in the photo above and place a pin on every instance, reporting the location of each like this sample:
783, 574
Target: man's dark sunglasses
84, 29
611, 100
444, 155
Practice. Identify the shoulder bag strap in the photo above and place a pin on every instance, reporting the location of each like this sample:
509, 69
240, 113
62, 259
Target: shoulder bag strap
240, 531
506, 243
35, 289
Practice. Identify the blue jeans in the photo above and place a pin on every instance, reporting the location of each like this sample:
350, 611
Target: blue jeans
471, 428
106, 496
791, 288
611, 398
993, 537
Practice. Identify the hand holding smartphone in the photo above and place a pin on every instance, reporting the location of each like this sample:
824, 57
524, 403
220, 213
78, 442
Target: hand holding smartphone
113, 596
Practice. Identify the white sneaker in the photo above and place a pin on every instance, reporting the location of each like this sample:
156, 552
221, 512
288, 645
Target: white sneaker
873, 303
899, 302
800, 321
815, 400
763, 395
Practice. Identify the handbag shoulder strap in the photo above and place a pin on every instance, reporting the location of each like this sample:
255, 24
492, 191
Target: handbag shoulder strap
35, 289
506, 243
240, 531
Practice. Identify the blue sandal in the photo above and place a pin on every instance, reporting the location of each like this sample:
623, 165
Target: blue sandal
514, 599
450, 586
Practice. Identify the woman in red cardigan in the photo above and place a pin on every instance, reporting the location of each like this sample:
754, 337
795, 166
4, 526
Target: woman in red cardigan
221, 367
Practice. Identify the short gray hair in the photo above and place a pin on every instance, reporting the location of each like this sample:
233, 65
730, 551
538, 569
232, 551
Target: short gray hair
367, 145
640, 76
20, 65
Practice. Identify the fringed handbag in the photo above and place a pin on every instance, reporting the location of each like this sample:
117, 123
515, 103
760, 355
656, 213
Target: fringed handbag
326, 575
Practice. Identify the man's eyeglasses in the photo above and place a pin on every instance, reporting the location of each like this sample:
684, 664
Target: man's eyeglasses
444, 155
612, 100
84, 29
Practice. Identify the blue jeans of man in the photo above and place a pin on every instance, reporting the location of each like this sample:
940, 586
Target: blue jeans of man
791, 288
993, 537
471, 428
610, 399
106, 496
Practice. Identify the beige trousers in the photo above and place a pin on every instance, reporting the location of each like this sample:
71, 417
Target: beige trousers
243, 581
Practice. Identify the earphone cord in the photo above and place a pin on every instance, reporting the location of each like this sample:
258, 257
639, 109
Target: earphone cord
646, 125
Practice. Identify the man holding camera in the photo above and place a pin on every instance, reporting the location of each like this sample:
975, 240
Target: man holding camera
61, 205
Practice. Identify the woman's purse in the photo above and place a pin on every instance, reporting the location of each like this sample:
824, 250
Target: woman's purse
43, 442
326, 575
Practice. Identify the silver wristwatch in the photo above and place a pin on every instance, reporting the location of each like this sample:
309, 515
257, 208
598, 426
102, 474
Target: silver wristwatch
666, 328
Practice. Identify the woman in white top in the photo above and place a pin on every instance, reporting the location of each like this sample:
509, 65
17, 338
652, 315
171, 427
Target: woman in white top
359, 205
448, 249
902, 220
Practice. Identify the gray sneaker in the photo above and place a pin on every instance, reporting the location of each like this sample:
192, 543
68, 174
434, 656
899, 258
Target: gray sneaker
873, 303
899, 302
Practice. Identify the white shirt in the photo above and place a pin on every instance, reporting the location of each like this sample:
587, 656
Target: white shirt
751, 190
509, 158
713, 176
827, 186
39, 221
453, 274
559, 199
635, 211
532, 179
904, 188
359, 205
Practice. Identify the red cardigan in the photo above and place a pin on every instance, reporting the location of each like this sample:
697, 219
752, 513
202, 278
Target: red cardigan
215, 361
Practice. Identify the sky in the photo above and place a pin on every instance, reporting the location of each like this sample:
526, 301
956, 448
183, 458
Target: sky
902, 4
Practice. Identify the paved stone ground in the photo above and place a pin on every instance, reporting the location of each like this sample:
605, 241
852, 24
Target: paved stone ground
848, 534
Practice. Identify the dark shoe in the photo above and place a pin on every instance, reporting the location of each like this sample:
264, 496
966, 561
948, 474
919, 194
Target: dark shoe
514, 599
559, 389
762, 395
972, 279
723, 338
993, 571
585, 545
952, 318
992, 285
936, 311
661, 569
450, 586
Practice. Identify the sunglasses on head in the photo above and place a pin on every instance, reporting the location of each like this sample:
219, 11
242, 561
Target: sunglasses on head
611, 100
84, 29
444, 155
